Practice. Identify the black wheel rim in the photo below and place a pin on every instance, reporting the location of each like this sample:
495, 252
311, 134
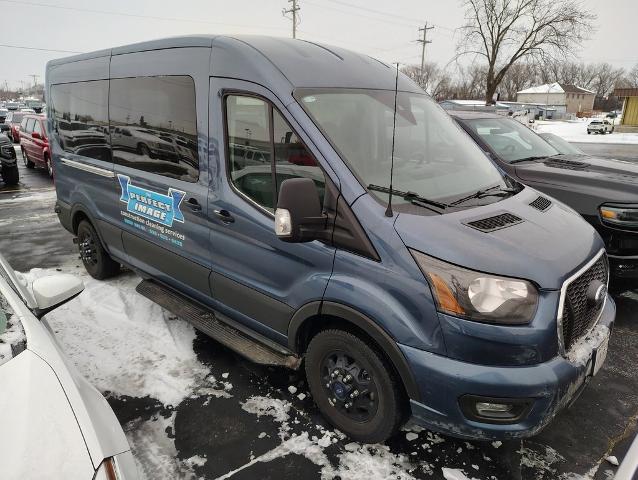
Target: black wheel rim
88, 249
350, 388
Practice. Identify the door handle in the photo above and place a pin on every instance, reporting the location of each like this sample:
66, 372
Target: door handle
193, 204
224, 216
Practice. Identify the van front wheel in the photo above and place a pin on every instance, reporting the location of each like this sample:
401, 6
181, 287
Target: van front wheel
96, 260
353, 386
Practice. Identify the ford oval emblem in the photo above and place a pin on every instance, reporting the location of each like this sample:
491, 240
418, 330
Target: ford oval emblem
596, 292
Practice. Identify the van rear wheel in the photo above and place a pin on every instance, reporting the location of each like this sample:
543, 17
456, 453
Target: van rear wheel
25, 158
96, 260
353, 386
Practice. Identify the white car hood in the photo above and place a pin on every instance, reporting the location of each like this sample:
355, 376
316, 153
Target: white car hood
40, 435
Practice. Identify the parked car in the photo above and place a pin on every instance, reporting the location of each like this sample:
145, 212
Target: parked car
600, 126
604, 191
54, 423
12, 106
3, 114
34, 104
427, 284
34, 142
13, 120
8, 162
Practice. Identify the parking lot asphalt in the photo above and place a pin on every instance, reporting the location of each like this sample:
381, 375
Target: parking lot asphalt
621, 151
223, 432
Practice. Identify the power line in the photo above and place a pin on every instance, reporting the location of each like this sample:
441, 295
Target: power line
38, 49
295, 20
133, 15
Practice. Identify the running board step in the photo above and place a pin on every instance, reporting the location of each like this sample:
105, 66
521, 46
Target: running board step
251, 346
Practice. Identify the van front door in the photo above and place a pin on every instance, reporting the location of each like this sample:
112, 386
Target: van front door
256, 278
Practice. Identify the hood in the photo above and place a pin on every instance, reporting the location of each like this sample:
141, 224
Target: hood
608, 179
546, 247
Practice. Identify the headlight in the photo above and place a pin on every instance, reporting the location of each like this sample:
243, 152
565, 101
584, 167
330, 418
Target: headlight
478, 296
623, 216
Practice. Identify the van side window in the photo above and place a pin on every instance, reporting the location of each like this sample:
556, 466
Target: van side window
23, 124
80, 118
292, 159
154, 125
37, 128
249, 121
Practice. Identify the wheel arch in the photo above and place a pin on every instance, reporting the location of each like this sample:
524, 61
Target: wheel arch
314, 317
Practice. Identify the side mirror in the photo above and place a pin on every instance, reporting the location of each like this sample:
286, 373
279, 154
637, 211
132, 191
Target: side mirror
35, 135
298, 217
55, 290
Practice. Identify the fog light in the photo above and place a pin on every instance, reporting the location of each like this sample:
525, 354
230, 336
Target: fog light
488, 409
495, 410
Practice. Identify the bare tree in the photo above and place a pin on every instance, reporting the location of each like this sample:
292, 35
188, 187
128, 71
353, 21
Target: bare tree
505, 32
432, 79
519, 76
632, 77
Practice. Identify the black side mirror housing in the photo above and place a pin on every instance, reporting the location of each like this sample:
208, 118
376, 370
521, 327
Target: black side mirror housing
299, 217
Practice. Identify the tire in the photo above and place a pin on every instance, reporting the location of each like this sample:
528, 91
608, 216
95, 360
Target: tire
96, 260
10, 175
378, 408
25, 158
588, 132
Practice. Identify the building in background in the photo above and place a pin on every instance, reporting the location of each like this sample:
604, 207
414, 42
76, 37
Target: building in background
572, 99
629, 120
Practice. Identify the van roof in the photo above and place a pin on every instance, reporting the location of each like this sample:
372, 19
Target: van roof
303, 63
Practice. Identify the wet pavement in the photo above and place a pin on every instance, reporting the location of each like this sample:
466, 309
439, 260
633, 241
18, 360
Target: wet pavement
214, 434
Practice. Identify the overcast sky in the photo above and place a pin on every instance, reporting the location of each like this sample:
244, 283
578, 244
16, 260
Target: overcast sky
385, 29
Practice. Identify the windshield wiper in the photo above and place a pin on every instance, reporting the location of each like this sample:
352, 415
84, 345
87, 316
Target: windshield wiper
499, 191
412, 197
528, 159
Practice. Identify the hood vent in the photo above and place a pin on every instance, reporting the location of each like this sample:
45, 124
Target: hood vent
541, 203
490, 224
567, 164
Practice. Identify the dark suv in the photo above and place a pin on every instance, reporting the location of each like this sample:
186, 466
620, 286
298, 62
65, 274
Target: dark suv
8, 163
603, 190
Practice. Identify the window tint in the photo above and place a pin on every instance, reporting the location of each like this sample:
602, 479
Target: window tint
249, 148
80, 118
249, 121
292, 159
29, 126
154, 125
23, 124
37, 127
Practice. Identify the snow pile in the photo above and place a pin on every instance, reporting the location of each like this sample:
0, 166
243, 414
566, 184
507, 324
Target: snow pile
126, 344
454, 474
11, 332
365, 462
277, 409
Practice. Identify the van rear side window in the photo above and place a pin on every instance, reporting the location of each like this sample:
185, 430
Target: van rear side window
80, 118
154, 125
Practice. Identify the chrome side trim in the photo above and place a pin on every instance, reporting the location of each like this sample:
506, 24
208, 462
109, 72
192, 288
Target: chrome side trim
88, 168
563, 294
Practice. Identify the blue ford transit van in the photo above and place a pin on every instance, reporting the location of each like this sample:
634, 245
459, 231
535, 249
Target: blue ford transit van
308, 207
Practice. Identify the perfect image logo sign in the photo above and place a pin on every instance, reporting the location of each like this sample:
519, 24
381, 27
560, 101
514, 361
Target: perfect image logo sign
164, 209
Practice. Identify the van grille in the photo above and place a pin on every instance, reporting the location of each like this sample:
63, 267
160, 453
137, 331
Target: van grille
579, 315
541, 203
496, 222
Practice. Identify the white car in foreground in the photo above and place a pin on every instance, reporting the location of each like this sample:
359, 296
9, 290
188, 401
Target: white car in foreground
53, 423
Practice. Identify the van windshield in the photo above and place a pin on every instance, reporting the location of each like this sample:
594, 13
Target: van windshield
433, 157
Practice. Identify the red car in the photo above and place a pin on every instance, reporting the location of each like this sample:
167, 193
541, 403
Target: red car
13, 120
34, 142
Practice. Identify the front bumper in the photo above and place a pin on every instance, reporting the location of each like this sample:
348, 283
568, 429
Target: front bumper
550, 386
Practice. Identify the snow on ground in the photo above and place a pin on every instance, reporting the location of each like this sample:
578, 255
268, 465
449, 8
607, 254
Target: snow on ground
576, 131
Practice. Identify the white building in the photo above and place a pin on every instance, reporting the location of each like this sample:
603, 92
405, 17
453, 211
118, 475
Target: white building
574, 99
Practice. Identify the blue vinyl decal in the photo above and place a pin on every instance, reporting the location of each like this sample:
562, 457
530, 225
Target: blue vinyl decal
164, 209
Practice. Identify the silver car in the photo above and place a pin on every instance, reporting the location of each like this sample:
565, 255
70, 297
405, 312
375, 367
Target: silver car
55, 424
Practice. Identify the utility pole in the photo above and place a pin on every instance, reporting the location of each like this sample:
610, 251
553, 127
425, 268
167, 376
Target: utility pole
424, 41
294, 9
35, 80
